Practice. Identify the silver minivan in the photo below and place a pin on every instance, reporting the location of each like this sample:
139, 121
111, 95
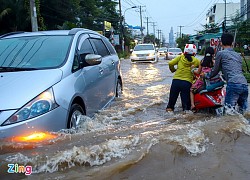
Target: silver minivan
49, 78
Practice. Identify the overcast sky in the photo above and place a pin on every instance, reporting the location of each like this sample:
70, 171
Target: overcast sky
169, 13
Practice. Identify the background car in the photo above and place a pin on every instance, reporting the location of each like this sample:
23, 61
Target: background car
49, 78
144, 53
173, 52
162, 52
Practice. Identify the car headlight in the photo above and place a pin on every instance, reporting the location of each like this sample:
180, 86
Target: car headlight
151, 54
133, 55
42, 104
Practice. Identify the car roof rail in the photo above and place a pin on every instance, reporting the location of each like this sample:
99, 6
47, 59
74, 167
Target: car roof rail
75, 30
11, 33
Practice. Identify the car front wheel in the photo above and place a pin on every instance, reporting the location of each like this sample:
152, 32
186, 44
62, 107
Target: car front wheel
76, 111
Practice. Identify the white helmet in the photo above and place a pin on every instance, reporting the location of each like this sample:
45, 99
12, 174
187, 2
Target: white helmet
190, 49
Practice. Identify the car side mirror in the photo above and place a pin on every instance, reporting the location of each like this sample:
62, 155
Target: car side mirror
131, 50
93, 59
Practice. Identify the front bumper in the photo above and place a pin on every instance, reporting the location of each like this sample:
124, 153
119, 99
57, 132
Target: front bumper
143, 59
51, 121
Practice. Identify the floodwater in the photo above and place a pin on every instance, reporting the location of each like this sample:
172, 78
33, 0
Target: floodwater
134, 138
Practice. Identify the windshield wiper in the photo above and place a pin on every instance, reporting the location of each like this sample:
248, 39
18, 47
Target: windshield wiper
11, 69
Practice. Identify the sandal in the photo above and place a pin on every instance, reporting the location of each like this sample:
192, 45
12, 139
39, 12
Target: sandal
169, 110
194, 110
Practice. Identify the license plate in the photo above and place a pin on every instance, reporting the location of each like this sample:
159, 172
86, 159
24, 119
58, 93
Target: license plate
141, 58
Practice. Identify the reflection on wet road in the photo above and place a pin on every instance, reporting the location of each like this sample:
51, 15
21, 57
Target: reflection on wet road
134, 138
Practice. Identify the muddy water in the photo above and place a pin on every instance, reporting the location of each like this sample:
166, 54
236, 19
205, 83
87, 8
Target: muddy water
134, 139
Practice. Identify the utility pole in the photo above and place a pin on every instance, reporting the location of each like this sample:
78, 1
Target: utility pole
141, 29
153, 29
33, 15
180, 30
225, 16
141, 24
159, 36
121, 26
147, 24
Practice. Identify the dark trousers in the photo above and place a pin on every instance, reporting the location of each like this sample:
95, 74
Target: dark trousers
183, 88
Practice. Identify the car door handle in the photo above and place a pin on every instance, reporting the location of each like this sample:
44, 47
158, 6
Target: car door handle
113, 62
101, 71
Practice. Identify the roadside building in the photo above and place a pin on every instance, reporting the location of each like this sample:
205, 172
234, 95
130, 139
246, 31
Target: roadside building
245, 9
216, 14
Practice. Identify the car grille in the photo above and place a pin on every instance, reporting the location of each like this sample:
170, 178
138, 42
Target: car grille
142, 55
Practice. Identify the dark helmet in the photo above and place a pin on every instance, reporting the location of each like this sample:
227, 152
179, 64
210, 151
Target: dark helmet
209, 51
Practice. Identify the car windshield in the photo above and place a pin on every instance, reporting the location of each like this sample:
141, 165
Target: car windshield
163, 49
34, 52
144, 47
174, 50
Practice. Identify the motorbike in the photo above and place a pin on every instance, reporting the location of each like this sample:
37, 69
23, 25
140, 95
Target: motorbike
211, 98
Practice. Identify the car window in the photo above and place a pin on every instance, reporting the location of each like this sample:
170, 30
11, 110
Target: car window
84, 48
34, 51
144, 47
109, 45
100, 47
175, 50
163, 49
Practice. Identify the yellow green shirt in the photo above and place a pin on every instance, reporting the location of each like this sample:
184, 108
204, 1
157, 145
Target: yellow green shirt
183, 71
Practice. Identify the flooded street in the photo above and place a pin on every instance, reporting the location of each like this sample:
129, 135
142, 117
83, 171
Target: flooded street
134, 138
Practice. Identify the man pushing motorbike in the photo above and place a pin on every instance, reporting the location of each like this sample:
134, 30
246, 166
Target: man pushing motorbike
230, 63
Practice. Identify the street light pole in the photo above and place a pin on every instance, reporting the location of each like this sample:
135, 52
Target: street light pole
123, 44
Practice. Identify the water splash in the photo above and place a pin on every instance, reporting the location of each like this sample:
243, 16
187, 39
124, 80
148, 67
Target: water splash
194, 141
79, 156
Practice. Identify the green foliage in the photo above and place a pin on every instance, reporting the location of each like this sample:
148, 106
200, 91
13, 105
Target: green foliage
245, 66
202, 52
58, 14
182, 41
243, 33
14, 16
149, 38
210, 28
124, 55
241, 29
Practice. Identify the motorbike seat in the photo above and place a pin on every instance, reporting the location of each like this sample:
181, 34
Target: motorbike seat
213, 87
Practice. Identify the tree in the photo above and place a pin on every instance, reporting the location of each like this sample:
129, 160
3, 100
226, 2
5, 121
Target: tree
149, 38
58, 14
182, 41
14, 16
210, 28
241, 29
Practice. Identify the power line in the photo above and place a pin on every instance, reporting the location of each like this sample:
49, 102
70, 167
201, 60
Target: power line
198, 18
129, 3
